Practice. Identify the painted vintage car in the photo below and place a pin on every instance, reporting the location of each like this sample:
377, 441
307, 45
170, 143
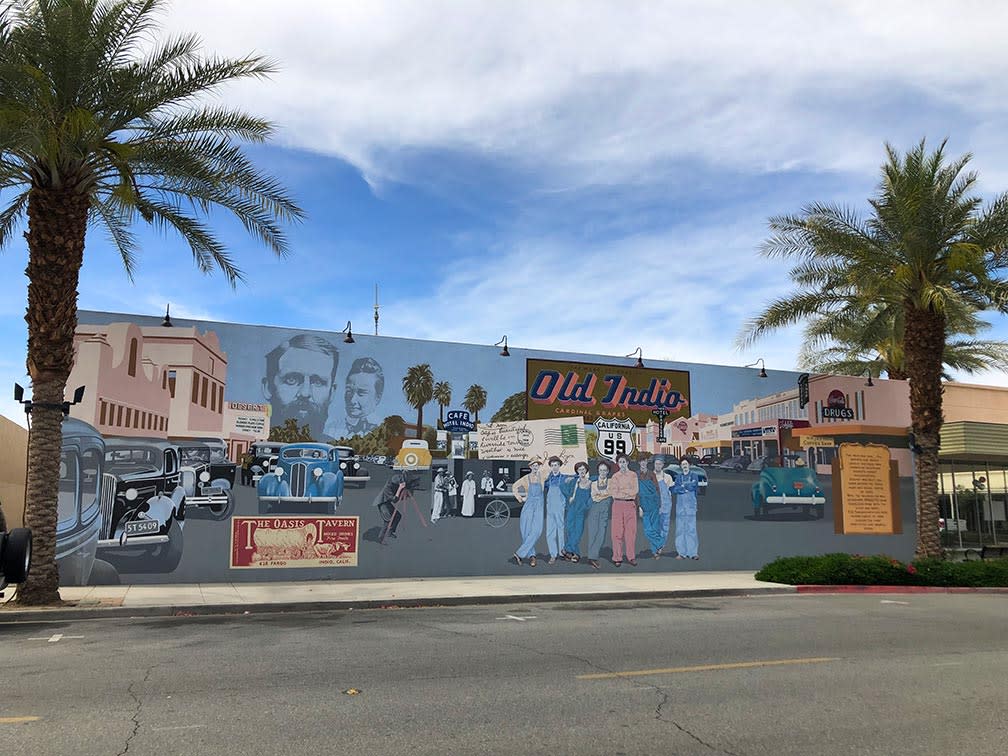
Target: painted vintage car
263, 453
207, 476
792, 487
414, 455
353, 467
144, 514
306, 476
85, 492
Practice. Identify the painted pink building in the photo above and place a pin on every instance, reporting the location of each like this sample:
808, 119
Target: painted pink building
844, 408
150, 381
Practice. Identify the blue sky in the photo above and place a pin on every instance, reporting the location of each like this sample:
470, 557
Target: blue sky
585, 176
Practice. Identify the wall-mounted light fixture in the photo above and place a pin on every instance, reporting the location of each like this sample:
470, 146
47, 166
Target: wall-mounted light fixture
348, 339
869, 381
29, 405
640, 357
762, 370
503, 352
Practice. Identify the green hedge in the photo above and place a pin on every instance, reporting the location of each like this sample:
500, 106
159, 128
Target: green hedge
853, 569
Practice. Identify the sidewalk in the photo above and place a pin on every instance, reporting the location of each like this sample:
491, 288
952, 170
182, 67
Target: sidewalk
236, 598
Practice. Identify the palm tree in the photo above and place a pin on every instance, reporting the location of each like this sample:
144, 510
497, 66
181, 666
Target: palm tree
871, 340
418, 386
928, 249
443, 396
512, 409
475, 400
97, 126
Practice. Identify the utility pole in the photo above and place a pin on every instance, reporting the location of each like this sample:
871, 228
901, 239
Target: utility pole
376, 309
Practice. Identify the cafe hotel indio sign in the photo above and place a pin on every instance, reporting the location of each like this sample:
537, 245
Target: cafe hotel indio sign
562, 389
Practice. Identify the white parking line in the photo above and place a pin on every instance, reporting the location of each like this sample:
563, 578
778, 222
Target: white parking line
177, 727
57, 637
517, 619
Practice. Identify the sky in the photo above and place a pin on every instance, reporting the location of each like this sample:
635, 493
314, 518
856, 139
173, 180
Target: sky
583, 176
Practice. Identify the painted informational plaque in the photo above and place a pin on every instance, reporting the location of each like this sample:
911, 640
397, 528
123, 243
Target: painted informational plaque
591, 390
270, 542
867, 501
531, 439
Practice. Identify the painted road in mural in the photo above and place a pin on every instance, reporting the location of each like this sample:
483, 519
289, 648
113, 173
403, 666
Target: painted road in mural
467, 546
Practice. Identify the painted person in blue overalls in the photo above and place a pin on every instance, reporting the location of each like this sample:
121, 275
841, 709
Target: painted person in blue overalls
578, 505
559, 488
529, 491
686, 484
665, 484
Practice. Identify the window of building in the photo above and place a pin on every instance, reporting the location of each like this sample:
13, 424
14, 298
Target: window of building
195, 389
132, 358
119, 414
163, 421
102, 409
220, 401
171, 383
129, 417
204, 397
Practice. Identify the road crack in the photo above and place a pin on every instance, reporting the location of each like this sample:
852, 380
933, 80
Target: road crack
663, 699
138, 700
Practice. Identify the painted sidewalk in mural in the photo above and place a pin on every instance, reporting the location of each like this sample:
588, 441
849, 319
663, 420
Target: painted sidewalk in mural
730, 538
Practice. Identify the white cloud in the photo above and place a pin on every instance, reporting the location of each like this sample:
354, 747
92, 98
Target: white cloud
595, 92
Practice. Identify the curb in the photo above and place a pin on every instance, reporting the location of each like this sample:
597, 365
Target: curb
894, 589
63, 614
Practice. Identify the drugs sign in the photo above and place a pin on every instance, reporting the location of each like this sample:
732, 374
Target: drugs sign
615, 437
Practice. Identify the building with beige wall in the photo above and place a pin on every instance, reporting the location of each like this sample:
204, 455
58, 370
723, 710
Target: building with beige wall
14, 442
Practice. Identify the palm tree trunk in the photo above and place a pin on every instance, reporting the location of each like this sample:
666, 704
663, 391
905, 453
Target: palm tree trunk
440, 423
924, 342
57, 223
419, 422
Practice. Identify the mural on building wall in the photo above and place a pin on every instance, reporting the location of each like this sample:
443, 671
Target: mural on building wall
390, 457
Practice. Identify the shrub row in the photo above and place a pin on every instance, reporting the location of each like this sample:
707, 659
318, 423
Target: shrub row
854, 569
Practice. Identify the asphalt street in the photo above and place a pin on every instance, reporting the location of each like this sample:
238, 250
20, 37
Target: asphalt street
921, 674
730, 539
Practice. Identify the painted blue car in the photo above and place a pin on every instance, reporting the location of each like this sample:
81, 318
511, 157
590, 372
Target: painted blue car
795, 487
305, 476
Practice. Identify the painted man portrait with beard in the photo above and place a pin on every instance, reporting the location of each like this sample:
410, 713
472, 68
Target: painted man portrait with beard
300, 377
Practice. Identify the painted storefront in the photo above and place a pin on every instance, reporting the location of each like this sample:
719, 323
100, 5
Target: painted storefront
154, 488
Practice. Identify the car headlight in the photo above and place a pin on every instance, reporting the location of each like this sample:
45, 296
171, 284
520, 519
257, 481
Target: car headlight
356, 466
204, 476
317, 472
342, 465
131, 494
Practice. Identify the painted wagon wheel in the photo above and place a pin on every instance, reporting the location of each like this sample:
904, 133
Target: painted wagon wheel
497, 513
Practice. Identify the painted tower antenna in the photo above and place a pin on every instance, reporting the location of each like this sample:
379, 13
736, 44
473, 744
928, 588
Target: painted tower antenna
376, 309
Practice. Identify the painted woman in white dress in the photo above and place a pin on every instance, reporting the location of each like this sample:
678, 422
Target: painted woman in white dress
468, 495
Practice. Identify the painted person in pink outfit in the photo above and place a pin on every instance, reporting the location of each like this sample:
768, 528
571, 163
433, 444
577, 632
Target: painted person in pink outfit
623, 487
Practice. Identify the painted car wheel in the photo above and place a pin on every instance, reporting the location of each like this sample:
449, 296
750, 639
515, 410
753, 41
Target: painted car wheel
224, 511
412, 459
168, 555
497, 513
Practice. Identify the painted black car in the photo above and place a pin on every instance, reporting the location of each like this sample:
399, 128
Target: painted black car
144, 516
207, 476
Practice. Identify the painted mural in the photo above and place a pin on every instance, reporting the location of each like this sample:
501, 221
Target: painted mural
215, 452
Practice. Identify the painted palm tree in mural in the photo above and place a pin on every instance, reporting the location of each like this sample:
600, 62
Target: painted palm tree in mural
475, 400
928, 249
443, 396
102, 122
512, 409
870, 338
418, 386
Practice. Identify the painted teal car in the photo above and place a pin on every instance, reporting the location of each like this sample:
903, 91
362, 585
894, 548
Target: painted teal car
795, 487
305, 476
